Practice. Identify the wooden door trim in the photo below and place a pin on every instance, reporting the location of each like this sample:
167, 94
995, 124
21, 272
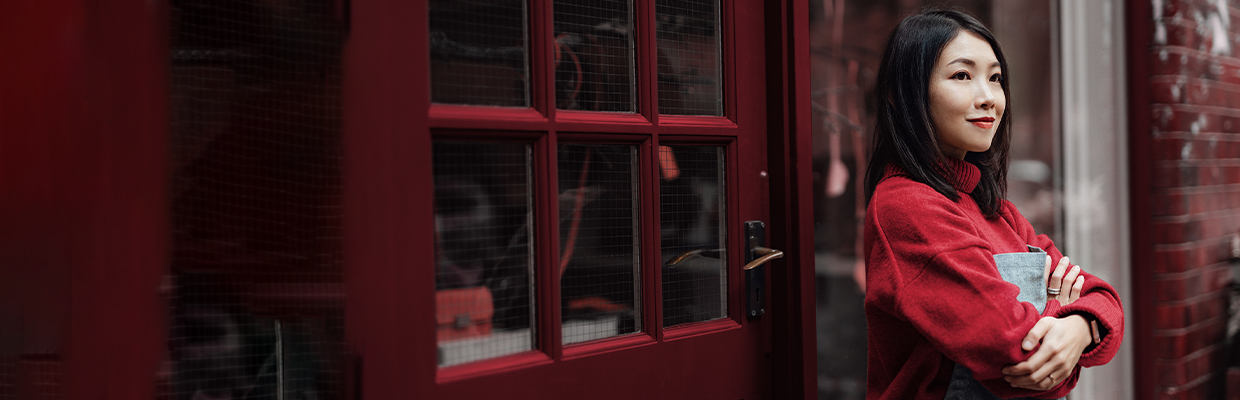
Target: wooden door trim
794, 347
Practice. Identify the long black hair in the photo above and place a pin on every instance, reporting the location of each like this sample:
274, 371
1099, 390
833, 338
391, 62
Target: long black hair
904, 133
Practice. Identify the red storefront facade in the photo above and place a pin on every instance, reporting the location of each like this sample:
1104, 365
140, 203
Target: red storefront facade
270, 227
138, 242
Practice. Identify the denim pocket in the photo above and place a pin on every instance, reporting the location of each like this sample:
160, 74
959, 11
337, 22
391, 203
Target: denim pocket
1026, 271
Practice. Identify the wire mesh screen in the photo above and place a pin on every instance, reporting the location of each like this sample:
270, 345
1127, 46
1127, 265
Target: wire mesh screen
484, 255
32, 376
43, 377
594, 55
479, 52
255, 287
8, 377
690, 66
599, 264
694, 224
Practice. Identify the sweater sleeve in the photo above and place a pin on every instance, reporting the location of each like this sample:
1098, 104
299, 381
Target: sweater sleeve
943, 281
972, 317
1098, 299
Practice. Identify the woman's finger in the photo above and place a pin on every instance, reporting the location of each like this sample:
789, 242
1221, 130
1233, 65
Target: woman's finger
1055, 286
1052, 368
1046, 361
1056, 374
1038, 358
1065, 294
1049, 373
1026, 382
1045, 378
1038, 386
1076, 289
1036, 333
1039, 382
1023, 380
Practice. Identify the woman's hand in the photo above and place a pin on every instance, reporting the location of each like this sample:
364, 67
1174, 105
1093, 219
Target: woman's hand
1063, 340
1066, 276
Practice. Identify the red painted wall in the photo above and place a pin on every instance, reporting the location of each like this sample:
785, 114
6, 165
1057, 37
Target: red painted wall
82, 198
1185, 171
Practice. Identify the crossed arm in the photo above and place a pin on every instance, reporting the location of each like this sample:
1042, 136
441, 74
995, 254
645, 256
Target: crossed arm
1062, 340
927, 264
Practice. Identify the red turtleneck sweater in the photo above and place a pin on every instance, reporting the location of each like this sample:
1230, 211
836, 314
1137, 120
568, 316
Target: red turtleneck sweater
935, 298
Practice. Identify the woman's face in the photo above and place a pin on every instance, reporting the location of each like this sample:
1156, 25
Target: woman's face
966, 97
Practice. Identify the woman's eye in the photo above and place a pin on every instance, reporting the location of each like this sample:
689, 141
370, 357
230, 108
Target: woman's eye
996, 78
960, 76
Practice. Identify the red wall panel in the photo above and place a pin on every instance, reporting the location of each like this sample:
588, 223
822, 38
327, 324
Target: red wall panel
82, 147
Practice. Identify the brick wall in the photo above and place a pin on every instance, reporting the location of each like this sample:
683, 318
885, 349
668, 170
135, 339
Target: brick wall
1194, 189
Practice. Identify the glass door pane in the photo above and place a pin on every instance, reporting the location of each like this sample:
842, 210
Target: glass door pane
484, 279
255, 280
690, 57
600, 255
594, 56
693, 215
479, 52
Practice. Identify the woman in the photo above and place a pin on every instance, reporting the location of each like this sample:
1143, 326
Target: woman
955, 275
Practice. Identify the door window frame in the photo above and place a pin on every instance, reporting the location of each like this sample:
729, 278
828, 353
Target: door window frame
544, 127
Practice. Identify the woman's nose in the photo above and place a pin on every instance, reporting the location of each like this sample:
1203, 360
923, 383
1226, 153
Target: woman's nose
985, 96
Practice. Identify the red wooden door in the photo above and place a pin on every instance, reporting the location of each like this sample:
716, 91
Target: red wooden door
547, 199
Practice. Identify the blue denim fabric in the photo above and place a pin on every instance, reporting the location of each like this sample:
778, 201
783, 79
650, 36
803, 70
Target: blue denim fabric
1025, 271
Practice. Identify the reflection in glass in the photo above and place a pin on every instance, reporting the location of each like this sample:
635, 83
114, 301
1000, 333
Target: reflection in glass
600, 256
594, 56
256, 305
479, 52
483, 252
690, 72
692, 211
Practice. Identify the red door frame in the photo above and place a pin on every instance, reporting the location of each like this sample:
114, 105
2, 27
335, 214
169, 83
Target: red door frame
1139, 30
83, 192
376, 121
384, 211
792, 200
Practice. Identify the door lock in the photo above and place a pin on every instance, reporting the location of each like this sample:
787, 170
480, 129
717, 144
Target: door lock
756, 257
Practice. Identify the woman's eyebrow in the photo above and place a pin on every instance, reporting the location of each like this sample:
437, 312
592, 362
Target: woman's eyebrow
970, 62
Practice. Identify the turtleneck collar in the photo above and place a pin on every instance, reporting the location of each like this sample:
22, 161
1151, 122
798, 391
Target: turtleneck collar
961, 174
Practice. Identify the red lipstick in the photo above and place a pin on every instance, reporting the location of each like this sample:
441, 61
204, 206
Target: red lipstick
984, 122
